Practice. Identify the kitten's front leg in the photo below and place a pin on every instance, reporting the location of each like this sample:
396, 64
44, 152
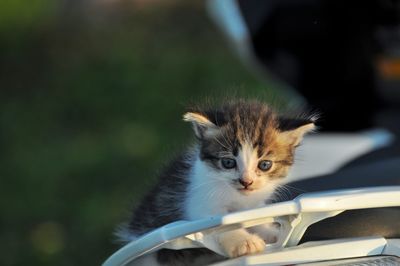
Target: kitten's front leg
240, 242
269, 232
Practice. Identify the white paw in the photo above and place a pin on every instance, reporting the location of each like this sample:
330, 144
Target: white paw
244, 246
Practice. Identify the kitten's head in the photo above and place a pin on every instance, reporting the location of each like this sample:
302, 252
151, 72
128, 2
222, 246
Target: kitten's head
247, 144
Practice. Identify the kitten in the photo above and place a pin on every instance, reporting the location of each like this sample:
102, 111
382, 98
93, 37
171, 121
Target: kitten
244, 150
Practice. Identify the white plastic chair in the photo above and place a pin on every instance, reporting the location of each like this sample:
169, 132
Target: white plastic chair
294, 217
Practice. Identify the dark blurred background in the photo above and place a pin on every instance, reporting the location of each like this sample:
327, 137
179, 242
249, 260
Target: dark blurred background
92, 94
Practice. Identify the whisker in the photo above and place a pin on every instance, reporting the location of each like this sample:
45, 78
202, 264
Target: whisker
294, 188
284, 193
227, 140
220, 143
206, 183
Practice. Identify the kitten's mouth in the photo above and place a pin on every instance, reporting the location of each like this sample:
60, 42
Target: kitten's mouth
245, 190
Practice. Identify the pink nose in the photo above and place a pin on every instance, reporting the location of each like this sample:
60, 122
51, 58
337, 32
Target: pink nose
245, 183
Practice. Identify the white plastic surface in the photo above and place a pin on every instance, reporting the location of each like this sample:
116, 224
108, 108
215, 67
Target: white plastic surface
392, 247
325, 153
313, 206
314, 251
160, 238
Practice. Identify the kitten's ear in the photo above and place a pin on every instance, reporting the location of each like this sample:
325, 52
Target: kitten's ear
202, 126
293, 130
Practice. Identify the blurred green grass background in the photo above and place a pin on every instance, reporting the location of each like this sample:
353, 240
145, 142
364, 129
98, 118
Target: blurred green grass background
92, 94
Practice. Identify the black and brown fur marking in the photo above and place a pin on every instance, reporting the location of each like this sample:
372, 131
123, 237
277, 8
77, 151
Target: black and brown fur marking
251, 121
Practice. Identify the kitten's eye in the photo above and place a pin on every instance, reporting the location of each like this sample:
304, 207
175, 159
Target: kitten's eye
265, 165
228, 163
